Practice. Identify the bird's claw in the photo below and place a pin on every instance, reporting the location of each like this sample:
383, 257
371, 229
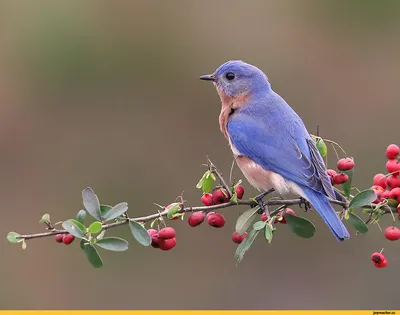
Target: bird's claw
260, 203
306, 203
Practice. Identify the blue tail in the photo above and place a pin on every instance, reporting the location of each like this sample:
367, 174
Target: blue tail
326, 211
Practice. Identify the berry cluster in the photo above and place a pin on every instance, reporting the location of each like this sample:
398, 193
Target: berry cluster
65, 238
344, 164
163, 239
387, 187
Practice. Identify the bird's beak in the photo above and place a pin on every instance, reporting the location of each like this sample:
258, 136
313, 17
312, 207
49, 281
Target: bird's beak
207, 77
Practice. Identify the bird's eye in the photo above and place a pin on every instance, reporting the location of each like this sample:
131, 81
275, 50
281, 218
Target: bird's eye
230, 76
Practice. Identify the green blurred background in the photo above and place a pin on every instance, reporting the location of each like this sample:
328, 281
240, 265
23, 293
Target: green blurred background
106, 94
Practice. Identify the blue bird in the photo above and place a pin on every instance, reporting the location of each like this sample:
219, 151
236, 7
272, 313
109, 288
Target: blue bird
270, 142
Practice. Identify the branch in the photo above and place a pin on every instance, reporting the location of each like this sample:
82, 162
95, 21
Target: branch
273, 202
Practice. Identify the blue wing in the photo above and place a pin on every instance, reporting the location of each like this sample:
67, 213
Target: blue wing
276, 139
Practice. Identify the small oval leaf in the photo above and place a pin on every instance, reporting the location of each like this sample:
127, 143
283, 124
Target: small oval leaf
45, 217
323, 150
245, 220
173, 209
93, 256
91, 203
259, 225
363, 198
140, 233
300, 226
81, 216
113, 243
358, 223
101, 235
116, 211
245, 245
95, 227
347, 185
72, 228
207, 184
268, 233
12, 237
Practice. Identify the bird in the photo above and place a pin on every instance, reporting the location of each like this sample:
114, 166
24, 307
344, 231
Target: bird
270, 142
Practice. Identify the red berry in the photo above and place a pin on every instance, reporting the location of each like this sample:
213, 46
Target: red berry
207, 200
395, 194
239, 191
340, 179
283, 215
155, 241
331, 174
393, 166
380, 180
152, 232
196, 218
392, 233
220, 196
167, 233
393, 181
386, 194
345, 164
68, 239
264, 217
236, 238
59, 238
209, 213
392, 151
216, 220
378, 192
382, 264
167, 244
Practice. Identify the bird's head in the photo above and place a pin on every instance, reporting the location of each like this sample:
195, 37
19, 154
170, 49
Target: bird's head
236, 77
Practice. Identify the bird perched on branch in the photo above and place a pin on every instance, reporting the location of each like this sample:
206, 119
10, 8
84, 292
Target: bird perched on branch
271, 145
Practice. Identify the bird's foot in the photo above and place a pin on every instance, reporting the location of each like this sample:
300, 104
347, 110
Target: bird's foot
260, 203
306, 203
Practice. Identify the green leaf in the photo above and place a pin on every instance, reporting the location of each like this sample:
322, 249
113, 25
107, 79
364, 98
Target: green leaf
346, 214
73, 228
245, 245
199, 185
207, 184
392, 203
140, 233
95, 227
12, 237
80, 225
104, 209
153, 222
323, 150
91, 203
81, 216
116, 211
174, 208
347, 185
268, 233
300, 226
358, 223
45, 217
245, 220
234, 198
101, 235
93, 256
113, 243
259, 225
363, 198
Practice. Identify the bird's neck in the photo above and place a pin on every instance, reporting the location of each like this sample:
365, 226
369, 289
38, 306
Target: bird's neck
229, 105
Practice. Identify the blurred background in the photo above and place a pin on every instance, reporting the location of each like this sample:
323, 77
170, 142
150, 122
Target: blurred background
106, 94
